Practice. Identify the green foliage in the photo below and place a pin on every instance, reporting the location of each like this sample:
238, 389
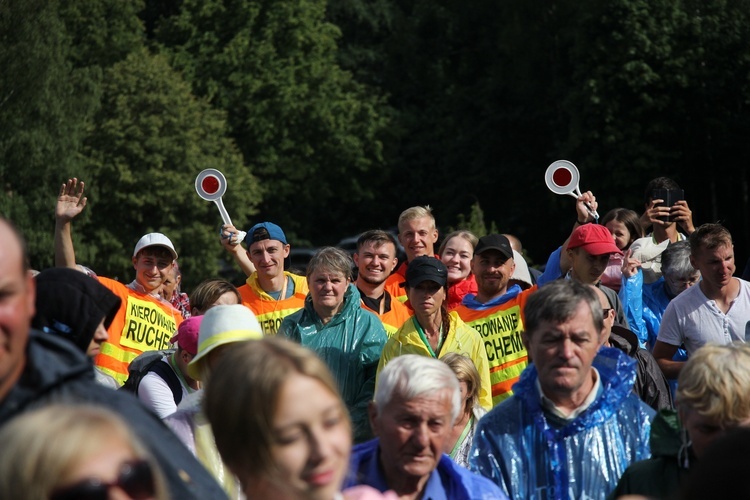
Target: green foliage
148, 142
43, 107
475, 222
308, 129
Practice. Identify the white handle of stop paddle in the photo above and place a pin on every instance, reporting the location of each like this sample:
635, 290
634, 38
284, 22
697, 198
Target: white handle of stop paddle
576, 193
225, 218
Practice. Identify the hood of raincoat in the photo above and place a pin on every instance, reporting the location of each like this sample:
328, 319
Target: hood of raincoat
350, 344
531, 454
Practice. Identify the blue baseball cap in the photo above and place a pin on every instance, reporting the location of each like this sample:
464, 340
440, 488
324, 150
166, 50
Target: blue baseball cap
264, 231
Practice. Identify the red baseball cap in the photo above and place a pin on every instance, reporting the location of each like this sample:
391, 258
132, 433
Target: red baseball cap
594, 239
187, 334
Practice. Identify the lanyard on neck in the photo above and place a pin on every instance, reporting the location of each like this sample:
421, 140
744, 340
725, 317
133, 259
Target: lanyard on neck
465, 432
424, 338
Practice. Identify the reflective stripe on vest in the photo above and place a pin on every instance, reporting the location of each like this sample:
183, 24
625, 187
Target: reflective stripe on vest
500, 328
141, 324
271, 313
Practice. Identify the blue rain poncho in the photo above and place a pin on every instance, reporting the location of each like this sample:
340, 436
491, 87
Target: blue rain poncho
350, 344
534, 455
644, 306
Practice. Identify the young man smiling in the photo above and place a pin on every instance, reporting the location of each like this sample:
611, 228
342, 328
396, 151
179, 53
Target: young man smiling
417, 234
270, 292
145, 321
375, 260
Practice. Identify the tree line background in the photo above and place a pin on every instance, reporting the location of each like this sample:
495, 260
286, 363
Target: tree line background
331, 117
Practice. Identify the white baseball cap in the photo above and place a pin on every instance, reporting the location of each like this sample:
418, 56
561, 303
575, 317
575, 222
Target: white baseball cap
155, 240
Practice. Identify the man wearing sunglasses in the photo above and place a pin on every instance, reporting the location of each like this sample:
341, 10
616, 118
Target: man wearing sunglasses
650, 383
38, 368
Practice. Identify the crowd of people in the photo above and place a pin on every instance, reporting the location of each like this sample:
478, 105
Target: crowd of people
616, 371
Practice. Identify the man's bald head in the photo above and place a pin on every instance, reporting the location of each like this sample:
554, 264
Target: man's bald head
17, 296
515, 243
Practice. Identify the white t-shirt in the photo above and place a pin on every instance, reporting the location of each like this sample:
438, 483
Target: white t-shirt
156, 394
649, 253
691, 318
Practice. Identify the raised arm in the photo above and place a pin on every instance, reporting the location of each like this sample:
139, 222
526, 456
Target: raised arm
229, 240
70, 203
583, 216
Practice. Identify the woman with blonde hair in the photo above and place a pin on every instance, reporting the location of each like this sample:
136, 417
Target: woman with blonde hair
458, 443
75, 452
456, 253
713, 395
279, 421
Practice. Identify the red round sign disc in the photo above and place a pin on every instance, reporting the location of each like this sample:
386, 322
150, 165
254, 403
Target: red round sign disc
210, 184
561, 177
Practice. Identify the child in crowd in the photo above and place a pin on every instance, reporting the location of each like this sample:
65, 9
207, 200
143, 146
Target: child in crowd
625, 226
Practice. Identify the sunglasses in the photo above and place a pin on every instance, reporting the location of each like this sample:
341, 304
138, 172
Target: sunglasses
135, 478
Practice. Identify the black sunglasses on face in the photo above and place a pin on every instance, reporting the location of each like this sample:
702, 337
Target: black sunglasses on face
135, 478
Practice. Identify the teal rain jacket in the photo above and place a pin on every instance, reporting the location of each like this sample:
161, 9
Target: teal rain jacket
350, 344
534, 455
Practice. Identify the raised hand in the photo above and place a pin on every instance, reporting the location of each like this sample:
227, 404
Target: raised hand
585, 202
682, 214
630, 264
654, 214
70, 201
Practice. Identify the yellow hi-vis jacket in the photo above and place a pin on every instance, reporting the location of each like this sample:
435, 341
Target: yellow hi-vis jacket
460, 339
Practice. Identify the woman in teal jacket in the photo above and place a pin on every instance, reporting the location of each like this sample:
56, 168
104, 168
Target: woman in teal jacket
348, 338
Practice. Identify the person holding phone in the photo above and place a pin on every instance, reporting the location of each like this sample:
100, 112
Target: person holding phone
671, 220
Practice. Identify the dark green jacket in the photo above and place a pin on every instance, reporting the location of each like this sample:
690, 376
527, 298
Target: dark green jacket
662, 475
350, 344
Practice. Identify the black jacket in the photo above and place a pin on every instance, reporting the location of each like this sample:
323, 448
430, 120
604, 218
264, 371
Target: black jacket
56, 372
650, 384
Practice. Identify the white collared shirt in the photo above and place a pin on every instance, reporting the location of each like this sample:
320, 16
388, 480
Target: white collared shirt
549, 406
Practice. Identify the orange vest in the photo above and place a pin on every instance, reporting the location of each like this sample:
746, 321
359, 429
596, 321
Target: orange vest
269, 311
501, 327
143, 323
393, 319
393, 284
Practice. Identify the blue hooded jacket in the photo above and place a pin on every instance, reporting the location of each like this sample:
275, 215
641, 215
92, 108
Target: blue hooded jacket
531, 454
451, 481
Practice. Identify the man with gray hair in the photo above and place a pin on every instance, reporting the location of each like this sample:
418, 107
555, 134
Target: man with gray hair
416, 403
573, 424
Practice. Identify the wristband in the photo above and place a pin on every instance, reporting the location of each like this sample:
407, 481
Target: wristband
581, 223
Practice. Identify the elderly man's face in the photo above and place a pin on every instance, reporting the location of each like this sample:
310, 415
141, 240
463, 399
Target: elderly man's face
412, 433
563, 354
17, 293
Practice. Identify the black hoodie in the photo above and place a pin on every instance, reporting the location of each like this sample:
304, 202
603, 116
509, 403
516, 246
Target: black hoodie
56, 372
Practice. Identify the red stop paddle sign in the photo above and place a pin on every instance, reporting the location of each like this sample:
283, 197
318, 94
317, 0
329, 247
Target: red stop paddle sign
211, 186
562, 177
